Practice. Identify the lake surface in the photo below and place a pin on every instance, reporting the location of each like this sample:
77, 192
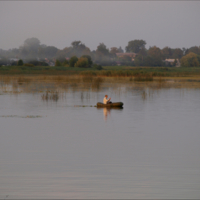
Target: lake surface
64, 148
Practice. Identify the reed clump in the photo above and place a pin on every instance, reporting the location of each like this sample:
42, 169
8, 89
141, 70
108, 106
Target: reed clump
21, 80
54, 96
87, 79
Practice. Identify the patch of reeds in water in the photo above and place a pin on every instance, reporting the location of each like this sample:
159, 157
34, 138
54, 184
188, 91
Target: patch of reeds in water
27, 116
97, 83
54, 96
87, 79
22, 80
94, 82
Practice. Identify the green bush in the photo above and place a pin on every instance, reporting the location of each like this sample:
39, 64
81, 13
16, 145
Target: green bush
20, 62
98, 67
82, 63
58, 63
73, 61
89, 60
66, 62
190, 60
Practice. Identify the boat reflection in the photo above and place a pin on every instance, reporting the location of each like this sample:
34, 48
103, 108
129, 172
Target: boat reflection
107, 111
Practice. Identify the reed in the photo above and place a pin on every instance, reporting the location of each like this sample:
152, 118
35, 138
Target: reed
87, 79
54, 96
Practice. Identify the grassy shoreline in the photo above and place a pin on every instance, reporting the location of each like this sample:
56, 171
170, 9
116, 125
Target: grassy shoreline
108, 71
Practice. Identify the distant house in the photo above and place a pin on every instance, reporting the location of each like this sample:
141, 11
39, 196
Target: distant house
50, 63
121, 55
171, 62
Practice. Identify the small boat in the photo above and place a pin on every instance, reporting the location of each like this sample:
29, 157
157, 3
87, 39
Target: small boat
110, 105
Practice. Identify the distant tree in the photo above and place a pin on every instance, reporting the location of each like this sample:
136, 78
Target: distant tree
150, 61
58, 63
48, 52
142, 53
86, 51
30, 49
32, 42
190, 60
185, 51
20, 62
120, 50
135, 46
89, 60
154, 57
194, 49
73, 61
3, 61
65, 62
79, 49
82, 62
177, 53
155, 52
102, 49
139, 61
102, 54
166, 52
63, 54
12, 53
76, 44
60, 55
114, 50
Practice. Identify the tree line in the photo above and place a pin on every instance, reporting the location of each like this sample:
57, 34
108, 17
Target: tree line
79, 55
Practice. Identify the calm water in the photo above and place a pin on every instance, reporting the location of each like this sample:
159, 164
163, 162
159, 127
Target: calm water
58, 149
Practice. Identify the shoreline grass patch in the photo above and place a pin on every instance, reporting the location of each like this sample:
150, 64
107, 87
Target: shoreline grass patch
143, 78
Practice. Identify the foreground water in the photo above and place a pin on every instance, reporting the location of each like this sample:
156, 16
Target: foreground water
63, 148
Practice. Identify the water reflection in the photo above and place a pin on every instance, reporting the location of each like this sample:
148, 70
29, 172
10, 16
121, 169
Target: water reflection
107, 111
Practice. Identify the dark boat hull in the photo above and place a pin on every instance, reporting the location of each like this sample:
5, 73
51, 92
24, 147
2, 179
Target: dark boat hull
110, 105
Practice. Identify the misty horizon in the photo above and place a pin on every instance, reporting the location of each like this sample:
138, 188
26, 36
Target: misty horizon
173, 24
122, 46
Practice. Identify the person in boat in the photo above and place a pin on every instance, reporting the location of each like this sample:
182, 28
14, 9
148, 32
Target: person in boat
106, 100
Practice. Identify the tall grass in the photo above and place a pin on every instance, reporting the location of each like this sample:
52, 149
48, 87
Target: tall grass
143, 78
109, 71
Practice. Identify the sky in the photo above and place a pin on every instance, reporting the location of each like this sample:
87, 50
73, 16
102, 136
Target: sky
58, 23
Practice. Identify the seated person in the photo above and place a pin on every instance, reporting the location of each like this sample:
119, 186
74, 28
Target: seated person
106, 100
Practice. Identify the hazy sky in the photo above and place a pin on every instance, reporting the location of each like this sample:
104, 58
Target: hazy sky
58, 23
